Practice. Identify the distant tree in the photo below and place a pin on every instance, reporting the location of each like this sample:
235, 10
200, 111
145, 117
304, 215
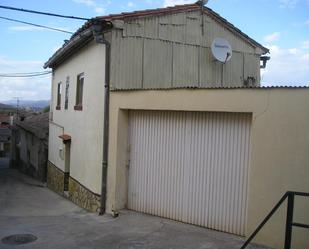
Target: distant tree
46, 109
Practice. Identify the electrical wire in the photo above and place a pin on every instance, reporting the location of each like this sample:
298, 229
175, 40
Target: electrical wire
36, 25
43, 13
24, 75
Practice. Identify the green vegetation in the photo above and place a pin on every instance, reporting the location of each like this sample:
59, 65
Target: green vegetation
46, 109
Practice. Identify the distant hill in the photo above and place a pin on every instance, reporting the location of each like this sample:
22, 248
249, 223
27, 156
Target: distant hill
36, 104
6, 107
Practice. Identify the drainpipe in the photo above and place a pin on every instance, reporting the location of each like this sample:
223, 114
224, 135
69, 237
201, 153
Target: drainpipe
98, 28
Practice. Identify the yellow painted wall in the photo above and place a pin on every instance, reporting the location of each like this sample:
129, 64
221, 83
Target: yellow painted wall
279, 147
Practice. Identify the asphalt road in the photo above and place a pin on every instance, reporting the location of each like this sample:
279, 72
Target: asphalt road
4, 162
27, 207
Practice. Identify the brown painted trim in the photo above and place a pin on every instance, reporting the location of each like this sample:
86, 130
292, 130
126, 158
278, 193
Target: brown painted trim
84, 187
58, 107
78, 107
65, 138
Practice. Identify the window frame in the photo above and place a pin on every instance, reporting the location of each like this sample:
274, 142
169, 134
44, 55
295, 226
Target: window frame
59, 91
66, 94
80, 80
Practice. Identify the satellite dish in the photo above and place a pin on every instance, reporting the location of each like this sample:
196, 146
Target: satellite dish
221, 50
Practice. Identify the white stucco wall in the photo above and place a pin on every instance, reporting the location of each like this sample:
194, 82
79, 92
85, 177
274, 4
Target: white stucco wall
85, 126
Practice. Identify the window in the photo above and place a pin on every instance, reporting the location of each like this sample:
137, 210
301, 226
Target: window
58, 107
66, 100
79, 92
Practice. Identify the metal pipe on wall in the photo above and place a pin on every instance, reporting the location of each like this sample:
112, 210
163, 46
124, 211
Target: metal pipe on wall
98, 28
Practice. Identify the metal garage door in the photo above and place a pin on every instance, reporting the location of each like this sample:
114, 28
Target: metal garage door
191, 167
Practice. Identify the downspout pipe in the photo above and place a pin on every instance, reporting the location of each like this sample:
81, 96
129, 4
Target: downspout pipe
98, 28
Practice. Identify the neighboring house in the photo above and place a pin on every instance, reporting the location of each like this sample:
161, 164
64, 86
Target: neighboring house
30, 145
190, 138
5, 137
5, 119
5, 134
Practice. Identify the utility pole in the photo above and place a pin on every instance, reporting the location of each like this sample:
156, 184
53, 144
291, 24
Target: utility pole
17, 106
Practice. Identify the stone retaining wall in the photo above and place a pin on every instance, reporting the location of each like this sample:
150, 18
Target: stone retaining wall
83, 197
55, 178
59, 181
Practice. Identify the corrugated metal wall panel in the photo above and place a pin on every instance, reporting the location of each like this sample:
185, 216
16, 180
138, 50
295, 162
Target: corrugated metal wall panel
151, 28
210, 70
194, 28
252, 66
172, 27
158, 61
134, 27
184, 28
233, 71
191, 167
135, 67
185, 65
127, 62
213, 29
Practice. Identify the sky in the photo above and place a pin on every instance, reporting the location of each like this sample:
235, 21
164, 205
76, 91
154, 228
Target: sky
280, 25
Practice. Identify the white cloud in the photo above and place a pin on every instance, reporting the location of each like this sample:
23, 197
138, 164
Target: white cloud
288, 3
305, 44
176, 2
25, 28
97, 8
272, 37
286, 67
294, 51
89, 3
26, 88
307, 22
33, 28
130, 4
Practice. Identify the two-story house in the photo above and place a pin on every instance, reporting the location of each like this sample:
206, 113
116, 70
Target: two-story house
145, 116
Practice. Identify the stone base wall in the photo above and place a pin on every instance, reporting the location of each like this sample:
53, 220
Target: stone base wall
83, 197
55, 178
66, 181
59, 181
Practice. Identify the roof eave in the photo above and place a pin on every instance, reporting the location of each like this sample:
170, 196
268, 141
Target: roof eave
78, 40
235, 30
69, 48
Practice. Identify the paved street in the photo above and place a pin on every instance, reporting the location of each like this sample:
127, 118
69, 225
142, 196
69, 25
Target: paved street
27, 207
4, 162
